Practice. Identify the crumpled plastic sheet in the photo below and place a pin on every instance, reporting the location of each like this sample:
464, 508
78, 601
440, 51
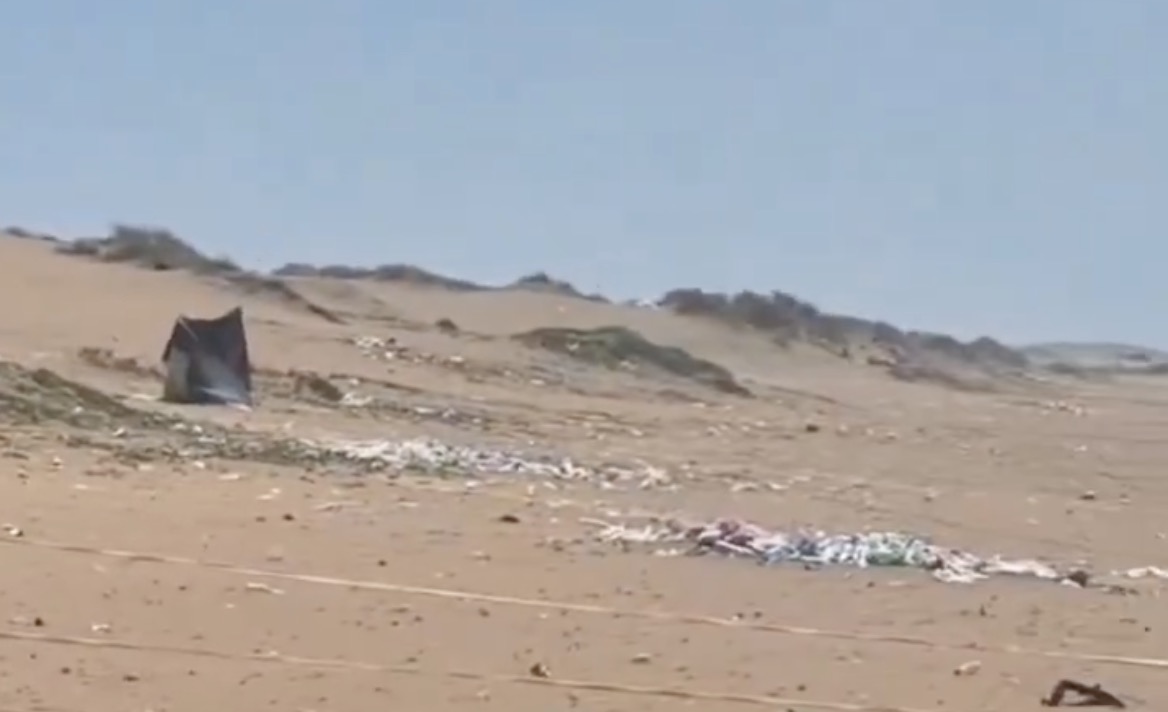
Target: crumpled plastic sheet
817, 548
434, 455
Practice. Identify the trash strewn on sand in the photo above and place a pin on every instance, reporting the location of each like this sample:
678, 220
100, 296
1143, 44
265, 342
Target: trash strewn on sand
436, 456
817, 548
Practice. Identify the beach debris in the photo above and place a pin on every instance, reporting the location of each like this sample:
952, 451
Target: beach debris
389, 349
430, 455
35, 622
1146, 572
336, 506
1080, 577
257, 587
817, 548
1060, 406
376, 347
1091, 695
354, 400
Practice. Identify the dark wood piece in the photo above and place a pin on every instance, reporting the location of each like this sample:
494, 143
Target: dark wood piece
1091, 696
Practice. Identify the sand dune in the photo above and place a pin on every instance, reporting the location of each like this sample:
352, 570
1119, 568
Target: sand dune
293, 576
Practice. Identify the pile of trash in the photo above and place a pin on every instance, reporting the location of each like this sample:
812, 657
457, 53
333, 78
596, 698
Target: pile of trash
817, 548
434, 456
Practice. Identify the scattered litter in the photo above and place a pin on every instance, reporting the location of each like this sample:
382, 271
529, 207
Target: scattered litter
36, 622
1058, 406
353, 400
968, 669
1092, 695
263, 588
435, 456
1146, 572
101, 628
336, 506
375, 347
817, 548
390, 350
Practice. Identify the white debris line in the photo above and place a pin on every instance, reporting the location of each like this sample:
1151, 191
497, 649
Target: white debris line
436, 456
528, 497
585, 608
861, 550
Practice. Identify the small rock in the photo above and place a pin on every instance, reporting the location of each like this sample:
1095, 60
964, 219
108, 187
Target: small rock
1079, 577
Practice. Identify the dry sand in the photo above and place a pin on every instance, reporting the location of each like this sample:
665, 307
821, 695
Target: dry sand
429, 595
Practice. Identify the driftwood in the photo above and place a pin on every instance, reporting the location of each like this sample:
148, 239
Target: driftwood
1091, 696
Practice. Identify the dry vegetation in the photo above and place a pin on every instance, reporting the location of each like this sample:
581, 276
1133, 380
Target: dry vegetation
618, 347
413, 516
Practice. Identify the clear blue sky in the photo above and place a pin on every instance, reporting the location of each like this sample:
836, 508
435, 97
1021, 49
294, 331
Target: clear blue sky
990, 167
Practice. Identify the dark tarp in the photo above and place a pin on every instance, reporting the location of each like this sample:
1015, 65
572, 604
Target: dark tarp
206, 361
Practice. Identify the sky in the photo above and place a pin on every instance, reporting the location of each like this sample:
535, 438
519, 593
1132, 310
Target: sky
994, 167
